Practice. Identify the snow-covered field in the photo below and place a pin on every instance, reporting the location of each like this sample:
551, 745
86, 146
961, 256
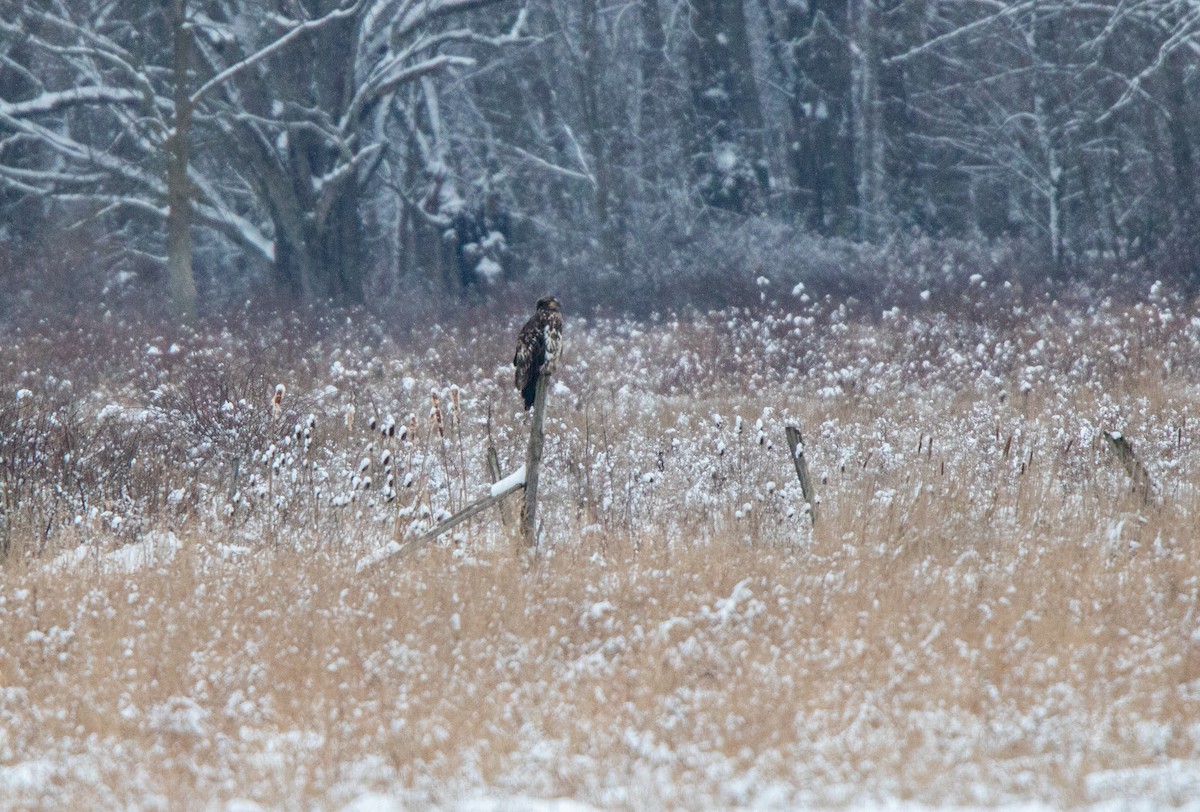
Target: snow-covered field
985, 613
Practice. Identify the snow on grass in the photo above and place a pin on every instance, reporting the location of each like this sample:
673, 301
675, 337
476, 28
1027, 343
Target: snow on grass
984, 615
155, 548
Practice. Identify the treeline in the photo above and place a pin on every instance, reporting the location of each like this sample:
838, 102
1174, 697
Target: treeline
352, 149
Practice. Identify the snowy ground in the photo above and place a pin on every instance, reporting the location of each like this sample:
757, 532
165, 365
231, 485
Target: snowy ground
985, 615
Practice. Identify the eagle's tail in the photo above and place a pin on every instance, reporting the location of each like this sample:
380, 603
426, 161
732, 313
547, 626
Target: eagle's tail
530, 391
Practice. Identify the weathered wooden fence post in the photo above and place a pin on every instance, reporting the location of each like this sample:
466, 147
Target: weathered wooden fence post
533, 462
795, 441
1122, 449
493, 466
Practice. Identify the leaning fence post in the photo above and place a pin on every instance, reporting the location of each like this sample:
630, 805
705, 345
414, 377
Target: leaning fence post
795, 441
533, 462
499, 490
493, 466
1122, 449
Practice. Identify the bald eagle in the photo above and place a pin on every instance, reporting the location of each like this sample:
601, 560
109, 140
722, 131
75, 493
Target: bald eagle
538, 347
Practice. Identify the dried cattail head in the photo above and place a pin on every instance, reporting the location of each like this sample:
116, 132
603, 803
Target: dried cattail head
388, 429
455, 406
350, 417
435, 414
411, 429
277, 401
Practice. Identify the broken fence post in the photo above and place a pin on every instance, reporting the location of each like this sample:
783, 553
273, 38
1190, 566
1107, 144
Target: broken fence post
1122, 449
795, 441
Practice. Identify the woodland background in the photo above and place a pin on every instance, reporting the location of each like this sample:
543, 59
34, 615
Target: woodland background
629, 154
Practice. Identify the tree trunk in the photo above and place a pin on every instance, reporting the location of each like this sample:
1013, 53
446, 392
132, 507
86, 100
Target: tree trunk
181, 284
1054, 188
652, 59
601, 135
810, 46
728, 152
1180, 129
318, 231
326, 261
867, 107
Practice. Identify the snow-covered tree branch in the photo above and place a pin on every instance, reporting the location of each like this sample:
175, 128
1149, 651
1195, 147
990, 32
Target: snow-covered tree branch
268, 127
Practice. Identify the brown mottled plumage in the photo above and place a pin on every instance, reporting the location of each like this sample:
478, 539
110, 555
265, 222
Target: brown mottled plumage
538, 346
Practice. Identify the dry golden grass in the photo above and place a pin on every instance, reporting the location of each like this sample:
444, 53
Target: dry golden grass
912, 662
991, 618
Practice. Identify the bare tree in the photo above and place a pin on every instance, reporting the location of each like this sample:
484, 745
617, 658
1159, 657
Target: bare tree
94, 125
181, 283
279, 122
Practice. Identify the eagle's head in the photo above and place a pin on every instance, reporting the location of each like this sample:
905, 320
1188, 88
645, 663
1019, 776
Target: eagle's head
549, 303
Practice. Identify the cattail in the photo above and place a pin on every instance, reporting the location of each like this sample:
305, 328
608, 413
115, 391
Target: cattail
411, 429
388, 429
277, 401
310, 425
435, 414
455, 407
350, 410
